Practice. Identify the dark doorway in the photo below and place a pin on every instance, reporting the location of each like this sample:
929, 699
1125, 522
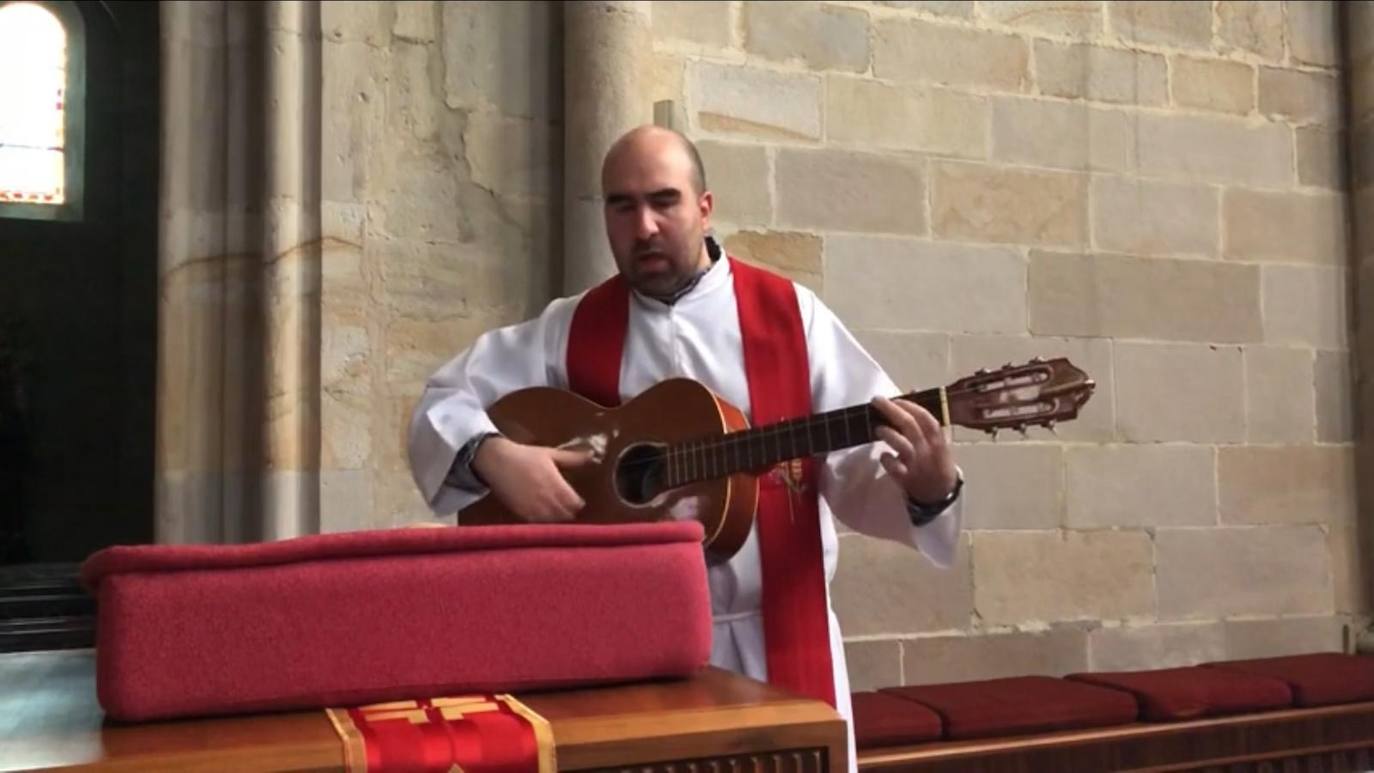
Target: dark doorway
78, 335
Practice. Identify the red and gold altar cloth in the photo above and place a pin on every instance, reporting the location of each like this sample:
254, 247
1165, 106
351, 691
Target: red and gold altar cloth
486, 733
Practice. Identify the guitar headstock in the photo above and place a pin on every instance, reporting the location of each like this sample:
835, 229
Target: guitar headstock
1038, 393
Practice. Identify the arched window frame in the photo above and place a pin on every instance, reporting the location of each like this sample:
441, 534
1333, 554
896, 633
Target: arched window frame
73, 119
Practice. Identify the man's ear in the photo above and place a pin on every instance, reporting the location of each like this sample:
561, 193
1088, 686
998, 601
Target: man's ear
707, 204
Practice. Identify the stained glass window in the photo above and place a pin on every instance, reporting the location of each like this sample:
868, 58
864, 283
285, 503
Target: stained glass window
33, 83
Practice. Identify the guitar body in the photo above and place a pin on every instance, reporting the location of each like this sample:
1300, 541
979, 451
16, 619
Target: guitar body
623, 441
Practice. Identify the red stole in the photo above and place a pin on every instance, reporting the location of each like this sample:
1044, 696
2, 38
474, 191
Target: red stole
795, 614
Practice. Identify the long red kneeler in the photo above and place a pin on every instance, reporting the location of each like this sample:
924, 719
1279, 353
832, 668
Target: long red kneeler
795, 614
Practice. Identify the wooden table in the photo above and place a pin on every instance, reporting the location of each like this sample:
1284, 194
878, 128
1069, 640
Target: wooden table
49, 719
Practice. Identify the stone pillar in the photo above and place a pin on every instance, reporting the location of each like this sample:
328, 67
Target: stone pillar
238, 350
291, 269
607, 43
1358, 24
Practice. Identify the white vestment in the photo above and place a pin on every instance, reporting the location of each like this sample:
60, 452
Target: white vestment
697, 337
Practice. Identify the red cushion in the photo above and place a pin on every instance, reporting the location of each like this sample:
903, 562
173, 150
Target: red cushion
886, 720
1188, 693
346, 619
1022, 704
1317, 679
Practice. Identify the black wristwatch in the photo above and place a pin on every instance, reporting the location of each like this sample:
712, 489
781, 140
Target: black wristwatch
924, 514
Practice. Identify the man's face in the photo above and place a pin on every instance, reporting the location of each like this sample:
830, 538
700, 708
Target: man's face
655, 221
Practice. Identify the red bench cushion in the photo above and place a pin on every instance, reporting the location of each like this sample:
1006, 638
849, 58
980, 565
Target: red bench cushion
1317, 679
886, 720
362, 617
1024, 704
1188, 693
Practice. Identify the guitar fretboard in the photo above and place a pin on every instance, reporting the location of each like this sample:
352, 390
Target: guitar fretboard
759, 448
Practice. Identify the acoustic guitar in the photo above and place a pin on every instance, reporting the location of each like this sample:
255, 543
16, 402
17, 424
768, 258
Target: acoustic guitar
679, 451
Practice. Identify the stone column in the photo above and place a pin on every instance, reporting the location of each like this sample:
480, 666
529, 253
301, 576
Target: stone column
291, 269
238, 355
1358, 23
607, 43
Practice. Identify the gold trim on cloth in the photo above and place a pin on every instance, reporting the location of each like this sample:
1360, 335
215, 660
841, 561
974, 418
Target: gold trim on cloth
543, 733
355, 752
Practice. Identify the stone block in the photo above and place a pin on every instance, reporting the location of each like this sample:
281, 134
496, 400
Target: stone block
1213, 84
1301, 97
821, 37
873, 664
943, 659
1350, 568
1313, 32
1152, 381
345, 500
953, 8
738, 176
1101, 74
1225, 572
1137, 486
703, 22
514, 156
794, 255
732, 99
1215, 149
498, 55
975, 202
1362, 155
882, 587
849, 191
666, 79
1285, 227
877, 283
415, 348
1120, 296
344, 357
861, 111
1280, 403
916, 50
913, 361
1321, 157
1012, 486
1287, 484
345, 430
1291, 636
1064, 18
1306, 306
1065, 135
1335, 398
369, 23
1145, 647
1251, 27
1046, 576
1096, 421
416, 21
1181, 23
1147, 217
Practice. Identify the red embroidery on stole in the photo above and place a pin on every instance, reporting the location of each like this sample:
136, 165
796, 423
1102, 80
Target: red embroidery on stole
596, 341
795, 614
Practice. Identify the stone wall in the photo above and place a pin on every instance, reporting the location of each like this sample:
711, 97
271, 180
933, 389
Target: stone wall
441, 187
1153, 189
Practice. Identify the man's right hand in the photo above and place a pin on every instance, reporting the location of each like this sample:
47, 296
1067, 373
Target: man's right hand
528, 479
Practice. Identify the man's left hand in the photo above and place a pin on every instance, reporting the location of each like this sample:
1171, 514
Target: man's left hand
921, 460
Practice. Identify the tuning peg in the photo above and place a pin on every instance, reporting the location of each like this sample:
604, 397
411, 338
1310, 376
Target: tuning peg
1037, 359
993, 432
981, 372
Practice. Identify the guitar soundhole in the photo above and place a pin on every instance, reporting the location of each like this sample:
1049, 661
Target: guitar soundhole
639, 474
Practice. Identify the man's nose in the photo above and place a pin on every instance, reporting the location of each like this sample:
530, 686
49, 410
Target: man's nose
645, 223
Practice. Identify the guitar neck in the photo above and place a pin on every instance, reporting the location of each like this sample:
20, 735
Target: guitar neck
759, 448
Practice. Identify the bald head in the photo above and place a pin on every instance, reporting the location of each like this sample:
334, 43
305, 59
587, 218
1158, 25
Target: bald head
657, 209
650, 140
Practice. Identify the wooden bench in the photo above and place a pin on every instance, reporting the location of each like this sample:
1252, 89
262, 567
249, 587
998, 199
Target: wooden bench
1220, 716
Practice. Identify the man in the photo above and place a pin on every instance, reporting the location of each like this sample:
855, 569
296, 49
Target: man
689, 314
